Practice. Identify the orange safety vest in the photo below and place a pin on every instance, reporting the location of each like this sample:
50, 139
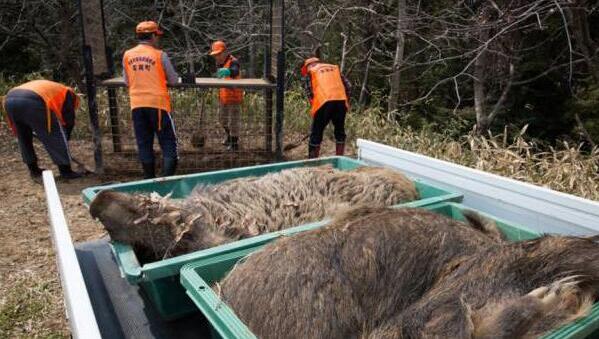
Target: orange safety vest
53, 94
231, 96
326, 86
146, 78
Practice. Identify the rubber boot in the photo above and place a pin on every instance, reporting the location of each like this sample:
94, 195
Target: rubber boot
340, 148
169, 166
34, 171
149, 170
234, 144
67, 173
313, 151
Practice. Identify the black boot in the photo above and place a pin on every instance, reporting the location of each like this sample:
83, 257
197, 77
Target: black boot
234, 144
67, 173
149, 170
313, 151
34, 171
169, 166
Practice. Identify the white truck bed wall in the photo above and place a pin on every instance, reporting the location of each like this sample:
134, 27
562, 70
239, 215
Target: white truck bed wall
535, 207
80, 314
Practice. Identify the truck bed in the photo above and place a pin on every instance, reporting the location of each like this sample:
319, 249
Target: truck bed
121, 310
100, 304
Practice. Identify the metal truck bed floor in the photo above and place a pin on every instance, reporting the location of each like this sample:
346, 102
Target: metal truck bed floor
121, 311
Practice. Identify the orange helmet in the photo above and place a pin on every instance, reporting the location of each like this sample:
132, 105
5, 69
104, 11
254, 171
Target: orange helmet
148, 27
308, 62
218, 47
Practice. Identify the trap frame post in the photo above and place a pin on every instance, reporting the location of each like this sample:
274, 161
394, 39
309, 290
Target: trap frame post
277, 41
90, 84
96, 62
268, 123
268, 92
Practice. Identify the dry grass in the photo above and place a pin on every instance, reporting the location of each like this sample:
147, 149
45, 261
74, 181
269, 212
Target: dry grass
564, 168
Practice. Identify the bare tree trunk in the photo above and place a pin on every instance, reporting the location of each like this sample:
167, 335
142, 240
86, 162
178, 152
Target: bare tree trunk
306, 37
364, 89
479, 94
343, 51
188, 44
399, 56
69, 34
579, 25
583, 130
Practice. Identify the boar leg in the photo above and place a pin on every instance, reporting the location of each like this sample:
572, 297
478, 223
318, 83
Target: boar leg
533, 314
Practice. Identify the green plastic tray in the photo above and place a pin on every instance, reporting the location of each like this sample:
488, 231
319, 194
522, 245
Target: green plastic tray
160, 280
197, 278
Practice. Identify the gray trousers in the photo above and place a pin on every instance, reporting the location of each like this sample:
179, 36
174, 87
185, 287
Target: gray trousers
27, 111
230, 118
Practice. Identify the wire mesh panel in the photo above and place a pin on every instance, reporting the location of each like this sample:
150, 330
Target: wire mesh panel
200, 123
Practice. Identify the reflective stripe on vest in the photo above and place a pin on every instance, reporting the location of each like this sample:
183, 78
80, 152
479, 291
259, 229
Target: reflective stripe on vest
53, 94
231, 96
326, 86
146, 78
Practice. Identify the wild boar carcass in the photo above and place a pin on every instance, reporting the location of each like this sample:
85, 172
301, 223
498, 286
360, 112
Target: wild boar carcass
240, 208
345, 279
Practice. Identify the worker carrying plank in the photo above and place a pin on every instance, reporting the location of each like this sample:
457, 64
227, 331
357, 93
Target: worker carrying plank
147, 71
328, 93
45, 109
230, 99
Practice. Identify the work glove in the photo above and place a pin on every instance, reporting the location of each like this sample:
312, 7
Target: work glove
223, 73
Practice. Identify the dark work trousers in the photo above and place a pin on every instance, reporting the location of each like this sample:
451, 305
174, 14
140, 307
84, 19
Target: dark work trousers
332, 111
145, 123
27, 111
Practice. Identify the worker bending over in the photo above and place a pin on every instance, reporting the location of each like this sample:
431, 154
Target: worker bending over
230, 99
45, 109
328, 93
147, 72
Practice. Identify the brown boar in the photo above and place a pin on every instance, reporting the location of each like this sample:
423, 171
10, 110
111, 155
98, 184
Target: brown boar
245, 207
348, 277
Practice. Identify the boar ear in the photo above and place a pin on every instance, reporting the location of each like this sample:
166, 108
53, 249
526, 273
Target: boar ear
108, 199
483, 224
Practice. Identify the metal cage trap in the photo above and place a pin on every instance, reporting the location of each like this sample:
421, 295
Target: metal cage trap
198, 124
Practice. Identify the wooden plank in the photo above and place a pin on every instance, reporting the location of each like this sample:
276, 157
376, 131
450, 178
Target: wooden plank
206, 83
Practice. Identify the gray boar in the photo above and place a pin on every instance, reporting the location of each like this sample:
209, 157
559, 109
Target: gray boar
520, 290
212, 215
345, 279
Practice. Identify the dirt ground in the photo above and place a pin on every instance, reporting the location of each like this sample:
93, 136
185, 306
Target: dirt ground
30, 293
